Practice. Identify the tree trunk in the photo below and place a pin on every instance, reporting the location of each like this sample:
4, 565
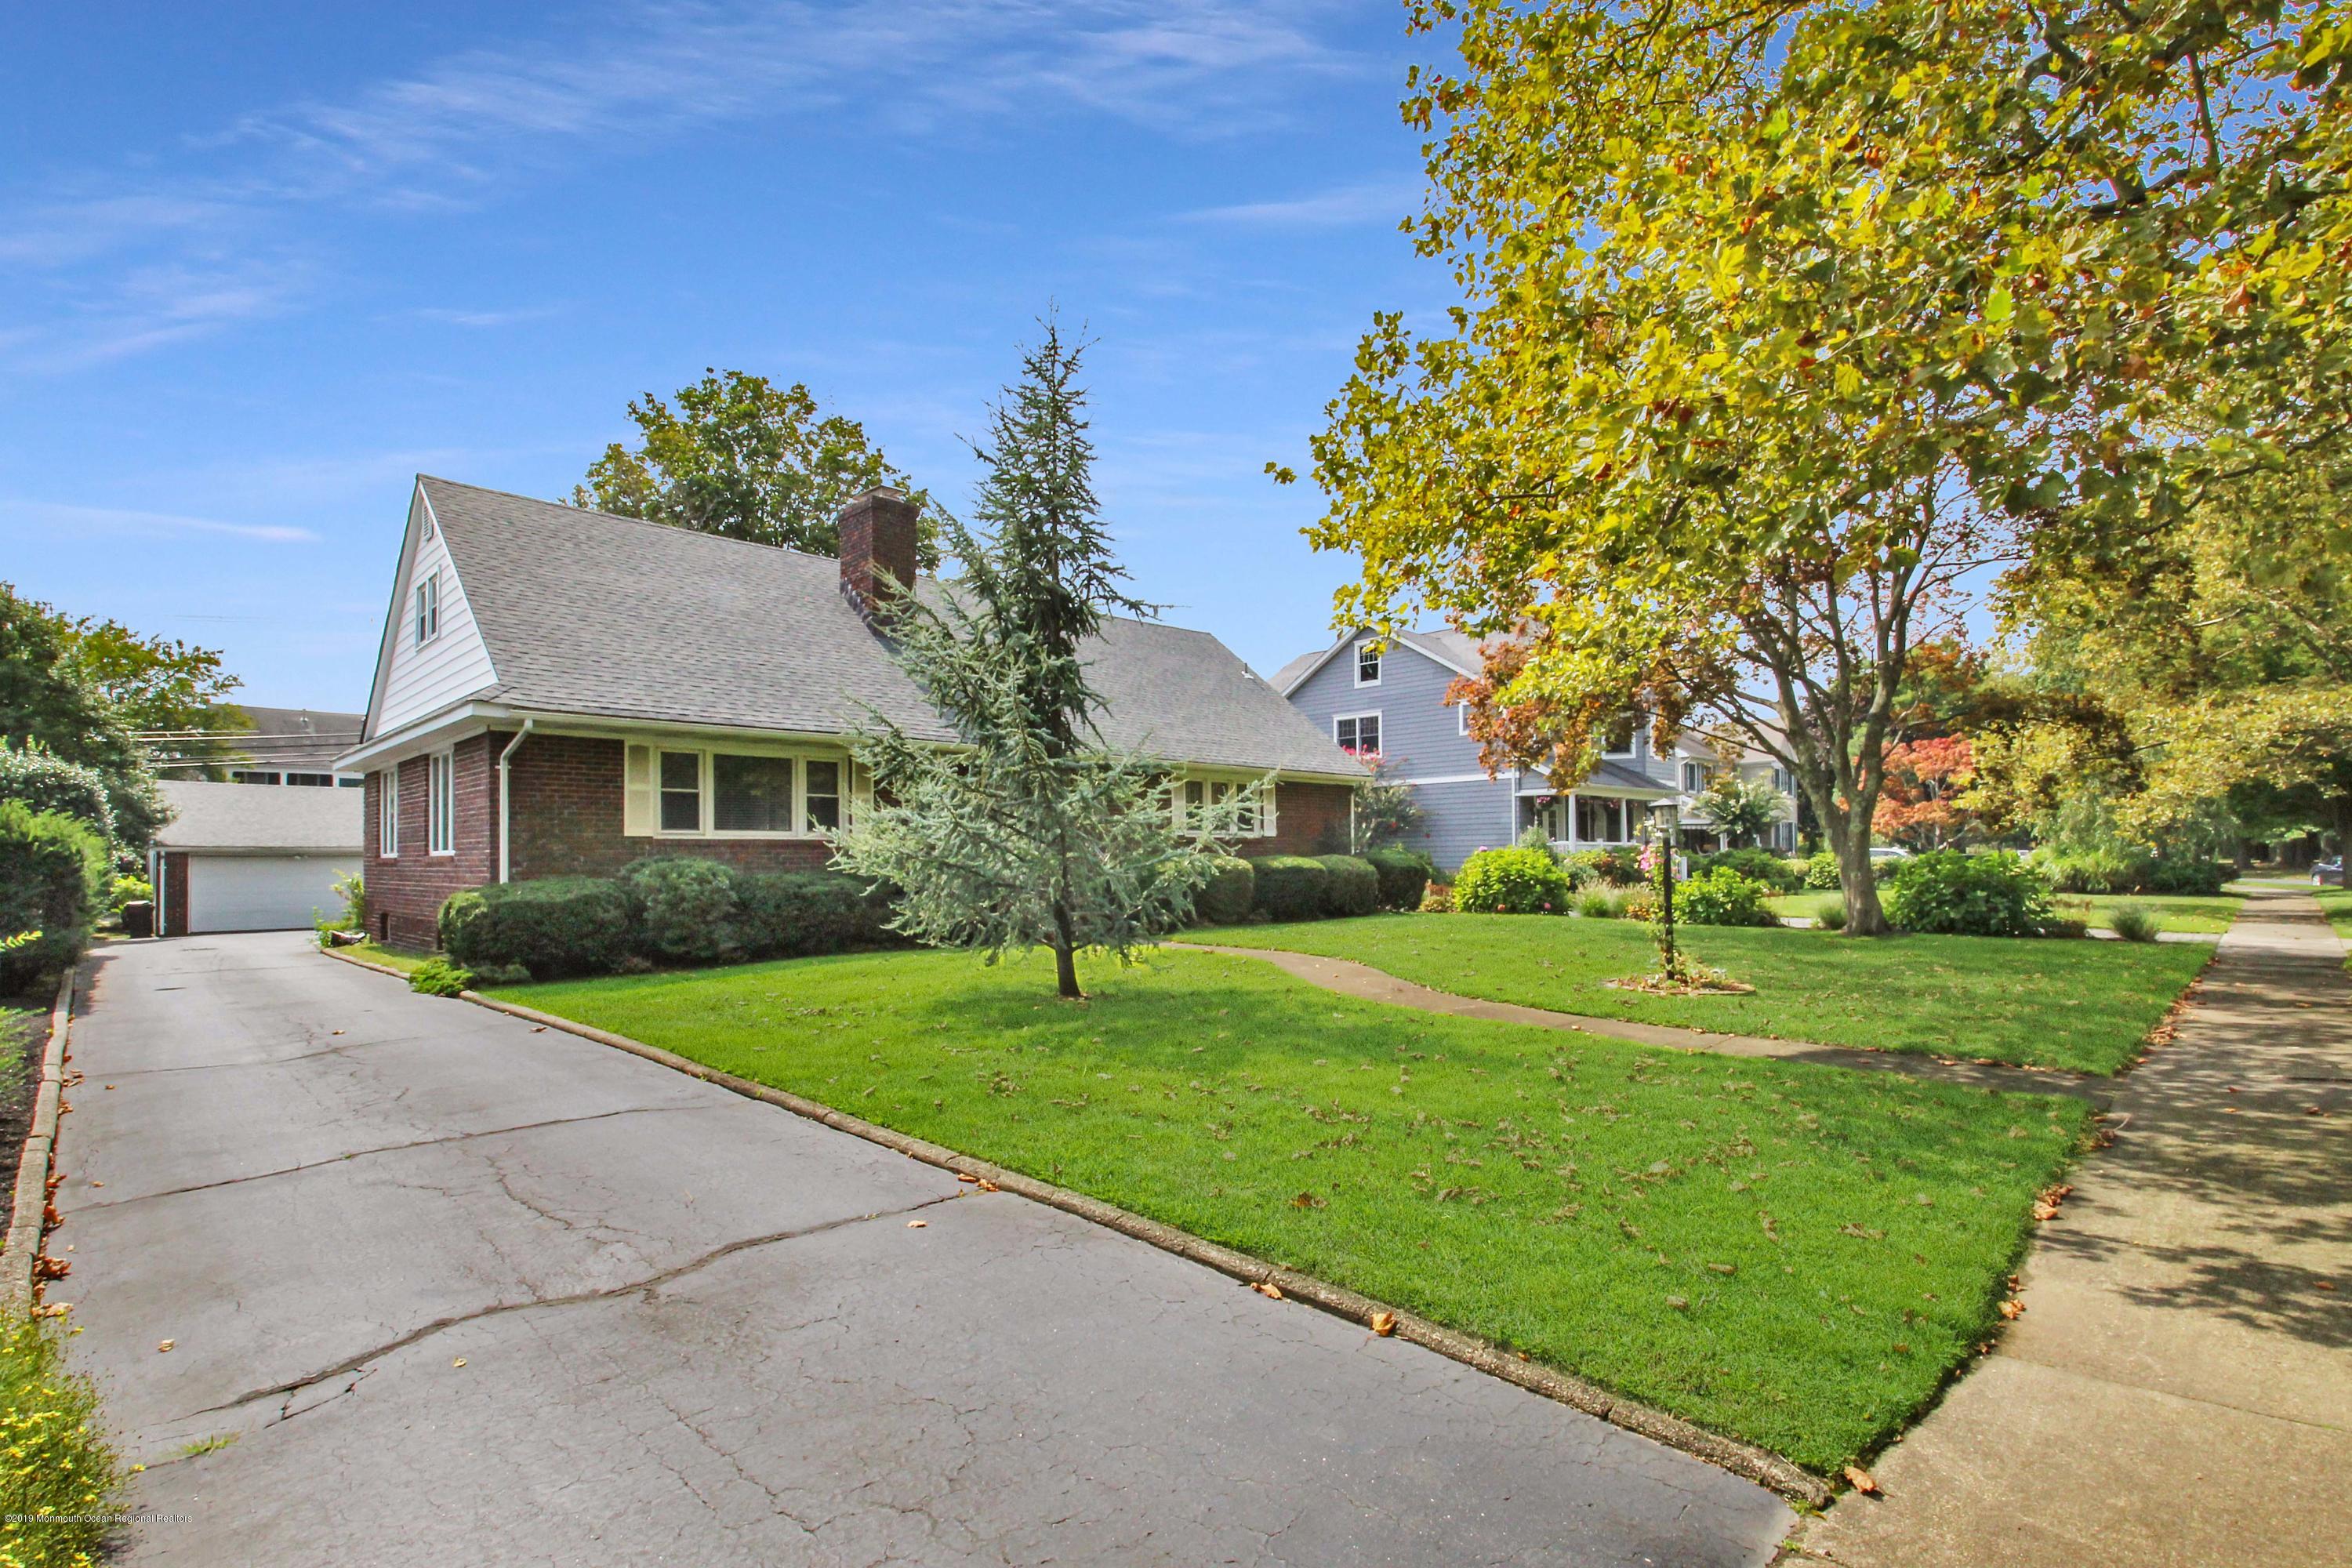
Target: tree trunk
1859, 877
1066, 958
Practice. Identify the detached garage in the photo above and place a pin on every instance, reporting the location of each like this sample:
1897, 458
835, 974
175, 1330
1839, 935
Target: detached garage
240, 856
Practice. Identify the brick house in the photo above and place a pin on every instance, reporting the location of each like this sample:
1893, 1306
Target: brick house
558, 691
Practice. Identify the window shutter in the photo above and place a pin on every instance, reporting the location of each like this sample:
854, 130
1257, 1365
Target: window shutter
637, 793
1266, 823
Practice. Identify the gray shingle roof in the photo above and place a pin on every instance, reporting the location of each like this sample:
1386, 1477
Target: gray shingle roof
260, 816
585, 613
300, 739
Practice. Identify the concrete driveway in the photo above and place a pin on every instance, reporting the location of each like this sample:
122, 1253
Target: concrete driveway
462, 1291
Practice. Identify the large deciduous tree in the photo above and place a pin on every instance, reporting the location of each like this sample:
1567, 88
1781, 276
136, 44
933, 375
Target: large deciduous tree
1029, 830
743, 456
47, 702
1783, 322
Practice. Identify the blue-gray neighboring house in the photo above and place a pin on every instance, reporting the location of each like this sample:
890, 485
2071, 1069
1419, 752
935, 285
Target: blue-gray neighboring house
1389, 697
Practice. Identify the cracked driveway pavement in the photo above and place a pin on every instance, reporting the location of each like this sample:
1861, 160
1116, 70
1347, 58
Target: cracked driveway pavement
697, 1330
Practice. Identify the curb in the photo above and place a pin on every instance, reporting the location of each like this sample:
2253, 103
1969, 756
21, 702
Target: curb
28, 1214
1750, 1463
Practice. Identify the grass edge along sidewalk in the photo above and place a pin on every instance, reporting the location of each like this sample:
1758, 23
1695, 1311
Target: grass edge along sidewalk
1813, 1257
2077, 1006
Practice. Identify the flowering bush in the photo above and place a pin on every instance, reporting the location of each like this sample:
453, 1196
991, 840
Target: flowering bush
1512, 882
59, 1479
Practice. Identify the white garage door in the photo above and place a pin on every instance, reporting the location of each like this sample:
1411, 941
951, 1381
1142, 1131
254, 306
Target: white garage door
262, 892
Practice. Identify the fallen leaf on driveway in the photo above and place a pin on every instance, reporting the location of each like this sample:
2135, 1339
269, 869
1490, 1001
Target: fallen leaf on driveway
1384, 1323
962, 1177
2012, 1308
459, 1361
984, 1186
916, 1224
1268, 1289
1860, 1479
167, 1345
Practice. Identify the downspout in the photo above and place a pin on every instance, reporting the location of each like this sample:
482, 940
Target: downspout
506, 815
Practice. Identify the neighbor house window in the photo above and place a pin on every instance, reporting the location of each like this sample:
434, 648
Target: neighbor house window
1462, 718
1617, 740
1694, 777
1368, 664
441, 805
681, 792
1358, 731
387, 813
247, 775
1195, 797
428, 608
315, 781
752, 795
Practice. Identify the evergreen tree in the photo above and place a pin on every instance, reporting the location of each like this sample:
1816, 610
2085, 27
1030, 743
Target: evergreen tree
1029, 830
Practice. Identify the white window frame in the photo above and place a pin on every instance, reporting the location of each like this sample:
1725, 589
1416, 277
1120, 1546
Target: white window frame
1462, 720
1632, 741
1694, 770
441, 803
425, 609
387, 814
1179, 805
1380, 659
707, 793
1379, 729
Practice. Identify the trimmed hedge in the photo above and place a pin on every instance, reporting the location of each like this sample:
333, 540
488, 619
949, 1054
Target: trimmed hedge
1953, 894
1289, 887
797, 914
1229, 895
1353, 887
1404, 874
2116, 871
683, 908
1512, 881
52, 881
555, 926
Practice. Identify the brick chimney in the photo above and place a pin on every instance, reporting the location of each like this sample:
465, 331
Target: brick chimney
877, 549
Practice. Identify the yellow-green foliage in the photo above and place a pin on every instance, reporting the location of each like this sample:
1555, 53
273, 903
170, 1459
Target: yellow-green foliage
59, 1477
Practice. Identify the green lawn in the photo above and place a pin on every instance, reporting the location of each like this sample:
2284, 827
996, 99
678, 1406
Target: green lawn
2336, 903
2084, 1006
399, 958
1798, 1256
2178, 912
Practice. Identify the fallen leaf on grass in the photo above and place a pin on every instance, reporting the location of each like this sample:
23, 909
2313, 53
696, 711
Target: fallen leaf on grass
1861, 1480
1384, 1323
1679, 1303
1268, 1289
1307, 1201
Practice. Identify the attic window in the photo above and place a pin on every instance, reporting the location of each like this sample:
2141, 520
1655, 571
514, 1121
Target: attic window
1368, 664
428, 608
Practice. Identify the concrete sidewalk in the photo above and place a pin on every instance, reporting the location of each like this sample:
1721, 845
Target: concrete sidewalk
2179, 1393
456, 1289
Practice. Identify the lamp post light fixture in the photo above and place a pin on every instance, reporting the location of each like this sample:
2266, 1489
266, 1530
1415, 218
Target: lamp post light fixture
1666, 818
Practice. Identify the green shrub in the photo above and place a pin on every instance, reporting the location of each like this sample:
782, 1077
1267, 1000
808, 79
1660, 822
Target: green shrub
1352, 886
502, 974
1760, 866
2134, 922
1512, 882
1821, 871
1438, 899
2115, 870
1617, 865
1832, 919
794, 914
53, 871
439, 977
60, 1479
47, 782
1596, 905
1955, 894
1722, 897
2167, 874
124, 889
1404, 876
683, 908
1229, 894
1289, 887
555, 926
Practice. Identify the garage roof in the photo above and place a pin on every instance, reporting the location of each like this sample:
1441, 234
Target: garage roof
260, 816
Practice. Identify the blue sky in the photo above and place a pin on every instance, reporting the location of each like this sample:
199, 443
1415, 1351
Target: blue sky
261, 263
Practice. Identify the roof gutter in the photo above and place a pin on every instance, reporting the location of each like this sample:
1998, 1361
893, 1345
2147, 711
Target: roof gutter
506, 813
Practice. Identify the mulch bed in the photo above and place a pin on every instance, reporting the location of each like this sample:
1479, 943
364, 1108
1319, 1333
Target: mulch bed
22, 1037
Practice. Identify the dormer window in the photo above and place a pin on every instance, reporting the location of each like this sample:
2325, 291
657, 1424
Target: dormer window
428, 608
1368, 664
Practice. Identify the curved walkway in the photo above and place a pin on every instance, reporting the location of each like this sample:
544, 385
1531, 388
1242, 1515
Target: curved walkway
1362, 982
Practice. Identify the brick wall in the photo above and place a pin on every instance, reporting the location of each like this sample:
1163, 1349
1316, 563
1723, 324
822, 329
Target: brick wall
566, 803
1308, 819
404, 893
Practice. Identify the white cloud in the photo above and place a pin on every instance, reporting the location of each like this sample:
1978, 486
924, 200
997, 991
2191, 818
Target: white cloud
1345, 206
485, 319
58, 516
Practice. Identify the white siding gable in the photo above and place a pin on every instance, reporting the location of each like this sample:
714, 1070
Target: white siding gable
421, 679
